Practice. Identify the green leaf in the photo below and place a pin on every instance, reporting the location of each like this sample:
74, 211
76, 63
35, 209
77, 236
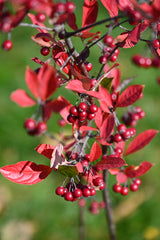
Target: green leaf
106, 83
69, 171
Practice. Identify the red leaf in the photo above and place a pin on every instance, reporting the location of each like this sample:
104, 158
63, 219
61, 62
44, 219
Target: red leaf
115, 74
137, 171
96, 152
79, 167
32, 82
71, 20
77, 86
130, 95
19, 16
34, 21
90, 12
105, 99
110, 162
121, 178
47, 81
141, 141
45, 149
111, 6
107, 127
22, 98
25, 172
99, 118
87, 128
130, 39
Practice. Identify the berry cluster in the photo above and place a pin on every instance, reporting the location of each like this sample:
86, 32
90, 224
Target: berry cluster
146, 62
62, 8
123, 134
34, 128
96, 206
73, 191
110, 52
124, 190
131, 118
82, 112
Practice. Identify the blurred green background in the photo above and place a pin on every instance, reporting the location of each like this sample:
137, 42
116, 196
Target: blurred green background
35, 212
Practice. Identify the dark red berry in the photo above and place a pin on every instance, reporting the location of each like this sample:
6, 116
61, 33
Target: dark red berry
87, 157
124, 191
73, 111
117, 138
121, 128
114, 97
77, 193
92, 191
102, 186
135, 116
85, 163
71, 118
93, 82
97, 181
108, 40
88, 66
135, 17
61, 122
142, 114
41, 127
45, 51
68, 196
7, 45
30, 124
102, 59
134, 187
60, 8
132, 131
70, 7
137, 181
117, 188
41, 17
90, 116
60, 191
113, 58
82, 107
93, 108
82, 115
156, 43
126, 135
86, 192
118, 150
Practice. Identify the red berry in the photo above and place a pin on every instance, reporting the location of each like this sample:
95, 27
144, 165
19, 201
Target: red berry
114, 97
86, 192
70, 7
30, 124
121, 128
113, 58
156, 43
135, 116
156, 62
88, 66
116, 52
97, 181
77, 193
108, 40
82, 106
82, 115
41, 17
134, 187
45, 51
102, 204
102, 186
60, 8
93, 108
124, 191
126, 135
71, 118
90, 116
93, 191
117, 188
117, 138
118, 150
142, 114
135, 17
7, 45
85, 163
68, 196
87, 157
93, 82
60, 191
6, 26
73, 111
132, 131
61, 122
137, 181
81, 202
41, 127
103, 59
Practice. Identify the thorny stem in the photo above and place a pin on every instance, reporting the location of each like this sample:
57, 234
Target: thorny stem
109, 215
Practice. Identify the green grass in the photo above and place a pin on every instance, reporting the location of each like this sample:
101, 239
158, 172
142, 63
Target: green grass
52, 217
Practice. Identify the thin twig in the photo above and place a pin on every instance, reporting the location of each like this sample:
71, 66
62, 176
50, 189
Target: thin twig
34, 26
